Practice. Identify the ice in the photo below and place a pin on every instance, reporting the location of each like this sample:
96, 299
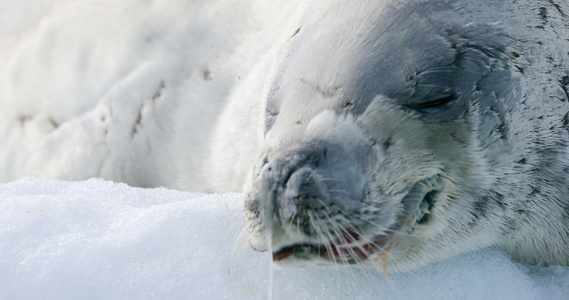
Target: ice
101, 240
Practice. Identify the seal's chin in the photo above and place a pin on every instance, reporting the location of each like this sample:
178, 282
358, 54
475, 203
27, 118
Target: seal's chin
355, 248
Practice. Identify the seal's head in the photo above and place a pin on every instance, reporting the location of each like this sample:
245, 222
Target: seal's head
387, 133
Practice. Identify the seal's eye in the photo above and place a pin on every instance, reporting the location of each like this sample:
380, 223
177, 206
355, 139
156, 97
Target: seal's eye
435, 103
434, 91
442, 105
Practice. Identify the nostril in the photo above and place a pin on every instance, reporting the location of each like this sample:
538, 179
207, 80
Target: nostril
302, 183
305, 188
296, 182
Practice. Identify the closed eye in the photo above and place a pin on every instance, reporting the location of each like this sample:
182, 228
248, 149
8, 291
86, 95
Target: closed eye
434, 103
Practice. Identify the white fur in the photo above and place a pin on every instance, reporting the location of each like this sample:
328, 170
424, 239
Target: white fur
136, 92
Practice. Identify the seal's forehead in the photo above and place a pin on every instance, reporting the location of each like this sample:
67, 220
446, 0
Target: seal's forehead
349, 53
342, 43
414, 53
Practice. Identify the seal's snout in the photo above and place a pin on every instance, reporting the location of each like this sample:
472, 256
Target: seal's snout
293, 186
303, 193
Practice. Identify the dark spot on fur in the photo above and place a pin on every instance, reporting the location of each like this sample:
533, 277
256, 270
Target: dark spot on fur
134, 130
373, 142
534, 190
158, 92
543, 13
23, 119
295, 32
501, 203
565, 85
481, 207
565, 121
502, 130
520, 69
265, 160
522, 161
253, 206
561, 12
53, 123
207, 75
387, 144
565, 81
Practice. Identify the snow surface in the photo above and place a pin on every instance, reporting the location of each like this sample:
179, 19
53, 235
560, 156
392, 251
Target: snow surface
102, 240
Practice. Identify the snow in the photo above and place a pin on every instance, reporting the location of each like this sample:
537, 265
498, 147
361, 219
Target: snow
101, 240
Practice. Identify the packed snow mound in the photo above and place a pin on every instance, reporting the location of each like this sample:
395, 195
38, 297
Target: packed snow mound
102, 240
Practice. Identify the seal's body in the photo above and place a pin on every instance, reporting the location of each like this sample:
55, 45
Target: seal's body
409, 131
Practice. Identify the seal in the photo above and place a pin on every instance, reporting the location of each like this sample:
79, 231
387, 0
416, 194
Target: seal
400, 133
388, 134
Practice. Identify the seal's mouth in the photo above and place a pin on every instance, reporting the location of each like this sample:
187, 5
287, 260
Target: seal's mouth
330, 252
353, 248
351, 252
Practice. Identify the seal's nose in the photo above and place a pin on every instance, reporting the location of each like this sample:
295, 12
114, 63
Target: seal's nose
300, 191
305, 189
294, 187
